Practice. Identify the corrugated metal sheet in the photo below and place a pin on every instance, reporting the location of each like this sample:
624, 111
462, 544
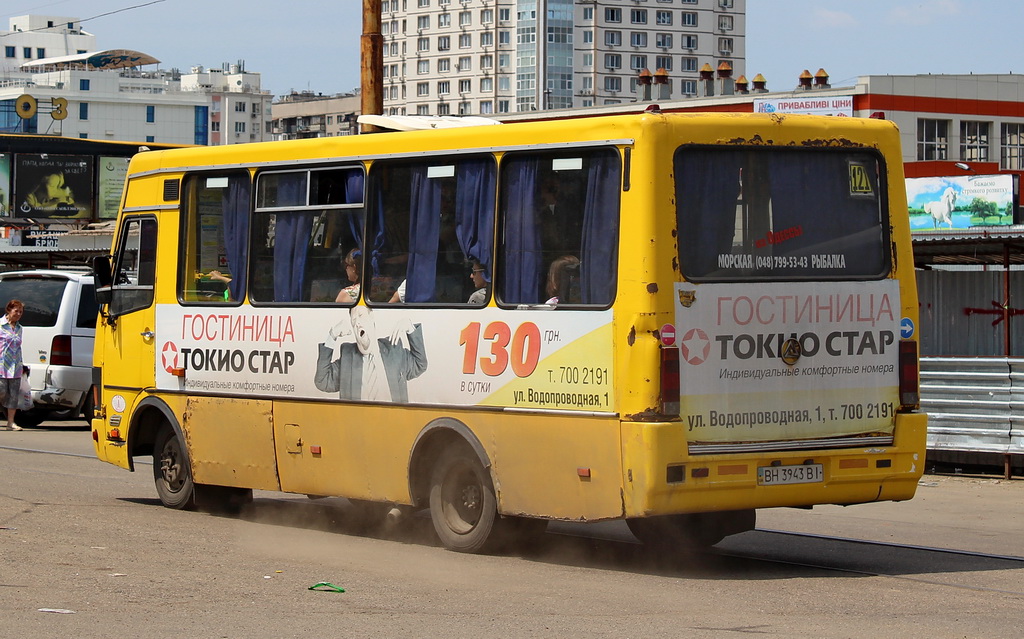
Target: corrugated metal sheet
961, 313
974, 404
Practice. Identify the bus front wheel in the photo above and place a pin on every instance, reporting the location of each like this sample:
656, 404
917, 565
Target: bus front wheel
463, 507
171, 471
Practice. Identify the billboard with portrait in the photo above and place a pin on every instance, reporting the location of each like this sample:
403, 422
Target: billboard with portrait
53, 186
961, 202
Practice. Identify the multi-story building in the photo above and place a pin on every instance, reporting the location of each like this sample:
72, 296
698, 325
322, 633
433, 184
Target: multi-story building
460, 57
73, 90
311, 115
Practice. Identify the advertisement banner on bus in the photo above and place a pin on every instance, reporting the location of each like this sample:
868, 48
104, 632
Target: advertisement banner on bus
787, 360
530, 359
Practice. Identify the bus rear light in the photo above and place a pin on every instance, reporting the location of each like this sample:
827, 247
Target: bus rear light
670, 381
910, 392
700, 472
60, 350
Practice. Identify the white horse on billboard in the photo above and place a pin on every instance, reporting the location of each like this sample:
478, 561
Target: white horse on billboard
942, 210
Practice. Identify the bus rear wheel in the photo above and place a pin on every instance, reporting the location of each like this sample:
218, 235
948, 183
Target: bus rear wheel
463, 507
690, 531
171, 471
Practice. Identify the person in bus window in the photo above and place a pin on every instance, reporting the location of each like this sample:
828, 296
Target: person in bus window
353, 271
369, 368
481, 282
560, 278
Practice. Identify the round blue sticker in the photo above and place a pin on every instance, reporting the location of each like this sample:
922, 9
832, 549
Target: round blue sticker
906, 328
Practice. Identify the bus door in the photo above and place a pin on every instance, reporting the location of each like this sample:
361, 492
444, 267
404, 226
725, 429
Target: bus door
125, 351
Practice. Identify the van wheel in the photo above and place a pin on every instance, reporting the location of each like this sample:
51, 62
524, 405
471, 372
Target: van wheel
463, 507
172, 472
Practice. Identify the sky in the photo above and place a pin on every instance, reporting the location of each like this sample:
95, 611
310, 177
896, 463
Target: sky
310, 45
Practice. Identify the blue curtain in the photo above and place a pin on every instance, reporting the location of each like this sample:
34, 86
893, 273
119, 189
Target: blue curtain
521, 268
707, 187
424, 231
291, 244
600, 230
353, 195
236, 232
474, 209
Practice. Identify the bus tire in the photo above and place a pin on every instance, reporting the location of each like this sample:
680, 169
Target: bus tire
463, 507
172, 472
690, 531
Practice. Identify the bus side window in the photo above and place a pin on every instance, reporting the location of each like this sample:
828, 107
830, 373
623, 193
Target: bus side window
306, 223
430, 222
213, 267
560, 227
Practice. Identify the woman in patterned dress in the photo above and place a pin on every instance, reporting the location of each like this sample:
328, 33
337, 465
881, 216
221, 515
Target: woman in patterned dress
11, 366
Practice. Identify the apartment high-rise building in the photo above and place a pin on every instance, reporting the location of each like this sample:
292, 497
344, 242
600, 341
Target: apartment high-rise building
461, 57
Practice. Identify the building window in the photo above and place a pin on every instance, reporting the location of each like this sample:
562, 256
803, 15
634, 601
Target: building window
663, 17
444, 65
465, 18
444, 20
504, 60
444, 109
486, 61
689, 19
504, 105
486, 106
83, 110
612, 61
465, 86
486, 85
1011, 152
239, 127
466, 63
27, 53
423, 44
422, 109
83, 136
612, 38
588, 13
11, 52
504, 15
444, 43
588, 60
423, 22
444, 87
638, 38
725, 23
974, 141
423, 3
688, 64
464, 108
151, 113
150, 138
688, 87
465, 41
215, 126
663, 40
638, 16
725, 45
613, 84
588, 36
423, 66
612, 15
486, 16
637, 62
240, 107
504, 37
688, 41
83, 84
40, 53
422, 89
504, 83
663, 62
932, 139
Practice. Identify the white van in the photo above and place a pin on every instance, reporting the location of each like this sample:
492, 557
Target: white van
59, 328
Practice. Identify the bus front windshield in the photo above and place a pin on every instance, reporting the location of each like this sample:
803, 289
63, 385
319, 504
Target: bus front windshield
780, 214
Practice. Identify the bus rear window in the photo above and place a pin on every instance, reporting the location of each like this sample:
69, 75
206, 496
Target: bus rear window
780, 214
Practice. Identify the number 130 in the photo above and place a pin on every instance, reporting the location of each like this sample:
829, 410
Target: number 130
524, 355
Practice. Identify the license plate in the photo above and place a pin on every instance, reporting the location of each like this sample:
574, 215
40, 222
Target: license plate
802, 474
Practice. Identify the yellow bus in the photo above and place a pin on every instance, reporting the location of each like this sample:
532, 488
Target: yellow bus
671, 319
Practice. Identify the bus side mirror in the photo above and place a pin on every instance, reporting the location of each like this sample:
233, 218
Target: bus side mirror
101, 272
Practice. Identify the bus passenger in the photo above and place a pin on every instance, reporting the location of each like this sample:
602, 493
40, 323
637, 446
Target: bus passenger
481, 282
560, 279
353, 270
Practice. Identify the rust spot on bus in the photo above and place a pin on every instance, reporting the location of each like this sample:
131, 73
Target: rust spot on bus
632, 335
652, 287
650, 415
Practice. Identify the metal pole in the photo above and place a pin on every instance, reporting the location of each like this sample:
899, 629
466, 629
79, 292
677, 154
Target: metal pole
371, 45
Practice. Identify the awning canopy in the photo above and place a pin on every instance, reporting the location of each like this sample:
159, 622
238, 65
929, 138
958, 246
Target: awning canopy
97, 60
996, 246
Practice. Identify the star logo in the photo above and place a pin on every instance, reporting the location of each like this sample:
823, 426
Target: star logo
169, 356
695, 346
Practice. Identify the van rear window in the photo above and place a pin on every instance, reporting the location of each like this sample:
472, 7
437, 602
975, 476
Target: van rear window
40, 295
